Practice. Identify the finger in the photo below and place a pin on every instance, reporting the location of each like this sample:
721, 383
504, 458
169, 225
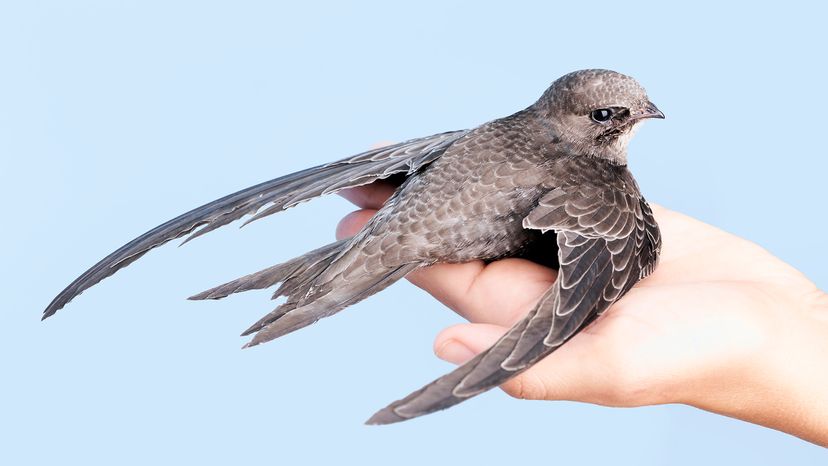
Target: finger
370, 196
459, 343
566, 374
497, 293
353, 222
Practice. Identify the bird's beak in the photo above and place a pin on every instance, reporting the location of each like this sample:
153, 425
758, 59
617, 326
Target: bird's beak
649, 111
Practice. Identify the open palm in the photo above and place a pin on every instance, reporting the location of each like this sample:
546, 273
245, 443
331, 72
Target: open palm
715, 303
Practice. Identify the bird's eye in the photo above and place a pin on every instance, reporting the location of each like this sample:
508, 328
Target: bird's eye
602, 115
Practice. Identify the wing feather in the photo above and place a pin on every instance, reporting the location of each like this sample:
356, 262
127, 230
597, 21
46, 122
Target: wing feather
278, 194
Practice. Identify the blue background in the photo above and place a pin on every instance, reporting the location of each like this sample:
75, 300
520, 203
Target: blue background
116, 116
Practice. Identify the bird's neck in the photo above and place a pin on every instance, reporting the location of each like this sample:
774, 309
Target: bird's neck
614, 153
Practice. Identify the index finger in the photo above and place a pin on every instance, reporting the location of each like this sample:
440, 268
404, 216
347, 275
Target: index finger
500, 292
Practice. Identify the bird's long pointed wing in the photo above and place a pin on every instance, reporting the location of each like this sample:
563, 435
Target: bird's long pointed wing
606, 243
280, 193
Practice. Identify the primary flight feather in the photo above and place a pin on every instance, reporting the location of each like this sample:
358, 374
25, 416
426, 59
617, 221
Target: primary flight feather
555, 170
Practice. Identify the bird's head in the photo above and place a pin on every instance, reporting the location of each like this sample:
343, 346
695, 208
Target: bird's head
595, 112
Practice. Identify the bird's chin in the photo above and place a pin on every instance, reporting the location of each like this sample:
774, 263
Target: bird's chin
629, 133
623, 139
619, 134
613, 145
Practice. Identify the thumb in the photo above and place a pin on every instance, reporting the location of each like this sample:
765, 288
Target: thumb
459, 343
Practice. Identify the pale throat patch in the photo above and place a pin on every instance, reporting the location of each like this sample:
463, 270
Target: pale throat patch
622, 141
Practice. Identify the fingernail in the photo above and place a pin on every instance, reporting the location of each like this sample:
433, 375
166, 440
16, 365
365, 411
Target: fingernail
454, 352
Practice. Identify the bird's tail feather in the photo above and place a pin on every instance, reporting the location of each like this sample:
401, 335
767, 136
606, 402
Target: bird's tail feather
325, 301
289, 274
312, 294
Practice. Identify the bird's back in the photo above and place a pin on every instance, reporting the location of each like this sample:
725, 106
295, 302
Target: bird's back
470, 203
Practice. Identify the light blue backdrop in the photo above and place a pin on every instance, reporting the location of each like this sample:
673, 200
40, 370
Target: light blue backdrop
116, 116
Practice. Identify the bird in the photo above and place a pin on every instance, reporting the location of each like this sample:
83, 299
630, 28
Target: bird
549, 181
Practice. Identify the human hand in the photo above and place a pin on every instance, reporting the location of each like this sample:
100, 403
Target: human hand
721, 325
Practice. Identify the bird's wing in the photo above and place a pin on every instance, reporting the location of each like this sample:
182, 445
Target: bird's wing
276, 195
607, 239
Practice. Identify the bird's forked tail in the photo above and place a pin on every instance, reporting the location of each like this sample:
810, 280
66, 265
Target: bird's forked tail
312, 291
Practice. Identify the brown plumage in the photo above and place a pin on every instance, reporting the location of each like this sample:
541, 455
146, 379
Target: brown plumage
555, 170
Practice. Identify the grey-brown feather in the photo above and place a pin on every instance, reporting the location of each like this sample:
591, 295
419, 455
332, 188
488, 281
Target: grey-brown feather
596, 269
284, 192
288, 273
486, 193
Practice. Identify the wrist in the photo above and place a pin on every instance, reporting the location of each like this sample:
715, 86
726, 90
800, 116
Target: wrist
782, 383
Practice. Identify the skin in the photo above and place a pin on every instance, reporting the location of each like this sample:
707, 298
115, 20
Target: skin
721, 325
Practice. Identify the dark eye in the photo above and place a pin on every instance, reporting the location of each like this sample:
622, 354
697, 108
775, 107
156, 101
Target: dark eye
602, 115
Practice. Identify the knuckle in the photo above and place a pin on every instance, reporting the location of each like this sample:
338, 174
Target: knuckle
526, 386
